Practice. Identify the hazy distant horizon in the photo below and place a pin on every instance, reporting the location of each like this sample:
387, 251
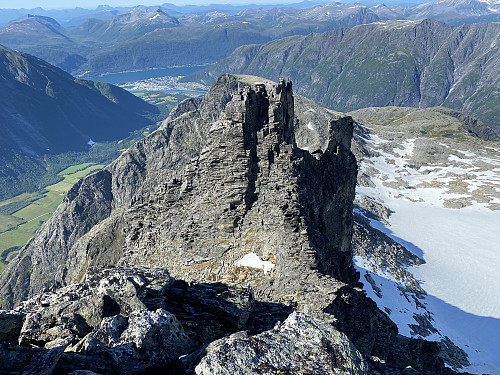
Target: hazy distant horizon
91, 4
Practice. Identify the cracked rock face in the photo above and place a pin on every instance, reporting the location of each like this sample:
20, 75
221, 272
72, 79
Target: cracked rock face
222, 178
176, 215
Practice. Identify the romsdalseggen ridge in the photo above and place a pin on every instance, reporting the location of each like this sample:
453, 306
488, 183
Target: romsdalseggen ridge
142, 266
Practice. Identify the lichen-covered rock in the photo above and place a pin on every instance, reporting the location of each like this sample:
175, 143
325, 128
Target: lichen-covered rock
122, 320
300, 345
126, 285
142, 341
157, 335
75, 310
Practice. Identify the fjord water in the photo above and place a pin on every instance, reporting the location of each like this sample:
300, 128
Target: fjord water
117, 78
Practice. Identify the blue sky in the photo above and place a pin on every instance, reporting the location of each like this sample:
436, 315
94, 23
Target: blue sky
51, 4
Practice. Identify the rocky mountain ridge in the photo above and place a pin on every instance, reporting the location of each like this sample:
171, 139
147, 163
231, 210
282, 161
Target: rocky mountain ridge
220, 182
405, 63
124, 26
130, 186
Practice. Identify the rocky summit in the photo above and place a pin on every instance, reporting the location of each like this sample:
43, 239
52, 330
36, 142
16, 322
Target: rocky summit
186, 253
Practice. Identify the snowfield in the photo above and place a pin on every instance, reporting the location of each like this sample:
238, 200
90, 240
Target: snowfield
460, 246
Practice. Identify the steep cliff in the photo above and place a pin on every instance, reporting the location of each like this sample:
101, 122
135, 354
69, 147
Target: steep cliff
420, 64
222, 193
222, 178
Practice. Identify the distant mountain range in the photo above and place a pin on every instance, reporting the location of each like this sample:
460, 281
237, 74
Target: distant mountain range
405, 63
135, 40
455, 11
124, 26
75, 16
122, 39
44, 110
45, 38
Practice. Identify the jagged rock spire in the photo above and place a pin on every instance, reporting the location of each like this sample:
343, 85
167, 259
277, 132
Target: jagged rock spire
221, 192
222, 178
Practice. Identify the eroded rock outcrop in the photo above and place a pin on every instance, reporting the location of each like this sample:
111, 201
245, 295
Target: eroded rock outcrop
122, 320
222, 179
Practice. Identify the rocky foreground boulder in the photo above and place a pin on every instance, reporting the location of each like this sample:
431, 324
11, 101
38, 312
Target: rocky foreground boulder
215, 224
116, 322
135, 320
301, 344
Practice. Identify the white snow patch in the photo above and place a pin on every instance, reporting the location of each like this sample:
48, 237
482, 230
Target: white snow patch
396, 24
477, 336
460, 249
460, 160
155, 16
310, 125
252, 260
489, 161
375, 140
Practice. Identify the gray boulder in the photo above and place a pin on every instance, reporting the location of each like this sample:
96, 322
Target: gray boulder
145, 340
300, 345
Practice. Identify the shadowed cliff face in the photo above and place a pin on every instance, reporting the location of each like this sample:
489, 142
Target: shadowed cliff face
222, 178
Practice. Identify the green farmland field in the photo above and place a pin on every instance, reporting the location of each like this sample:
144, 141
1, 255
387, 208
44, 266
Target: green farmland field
22, 215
